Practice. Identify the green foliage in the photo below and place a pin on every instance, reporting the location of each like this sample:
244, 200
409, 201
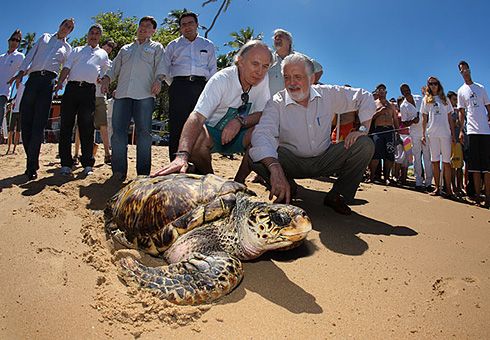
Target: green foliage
27, 43
240, 38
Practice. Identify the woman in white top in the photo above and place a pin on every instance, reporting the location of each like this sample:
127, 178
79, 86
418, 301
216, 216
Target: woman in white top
438, 126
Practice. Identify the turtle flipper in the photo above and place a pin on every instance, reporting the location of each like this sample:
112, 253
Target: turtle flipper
197, 280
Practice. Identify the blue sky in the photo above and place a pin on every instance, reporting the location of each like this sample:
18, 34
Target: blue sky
362, 43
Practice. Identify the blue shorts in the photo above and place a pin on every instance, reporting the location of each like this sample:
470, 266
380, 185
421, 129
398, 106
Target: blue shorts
383, 138
234, 146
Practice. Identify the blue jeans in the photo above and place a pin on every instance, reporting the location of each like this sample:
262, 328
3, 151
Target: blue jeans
141, 110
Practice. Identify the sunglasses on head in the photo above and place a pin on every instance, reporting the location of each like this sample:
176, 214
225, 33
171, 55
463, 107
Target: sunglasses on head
14, 39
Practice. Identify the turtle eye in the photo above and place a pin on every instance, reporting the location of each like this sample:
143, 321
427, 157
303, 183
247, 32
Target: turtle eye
280, 219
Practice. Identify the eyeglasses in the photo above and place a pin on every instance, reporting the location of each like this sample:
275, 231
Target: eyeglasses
243, 108
14, 39
433, 84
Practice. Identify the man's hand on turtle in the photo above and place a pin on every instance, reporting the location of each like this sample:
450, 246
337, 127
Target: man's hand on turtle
279, 185
179, 164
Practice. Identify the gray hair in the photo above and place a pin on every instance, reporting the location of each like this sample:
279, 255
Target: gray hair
298, 58
245, 49
97, 26
287, 34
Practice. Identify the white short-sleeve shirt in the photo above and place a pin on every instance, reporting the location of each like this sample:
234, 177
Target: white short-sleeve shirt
409, 112
223, 91
473, 99
9, 65
438, 113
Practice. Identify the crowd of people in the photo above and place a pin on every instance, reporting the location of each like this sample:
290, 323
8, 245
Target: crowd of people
268, 105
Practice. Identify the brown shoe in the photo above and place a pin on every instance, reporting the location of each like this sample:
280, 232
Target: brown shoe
337, 203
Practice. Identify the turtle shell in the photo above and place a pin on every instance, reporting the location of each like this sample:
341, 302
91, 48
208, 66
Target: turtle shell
151, 212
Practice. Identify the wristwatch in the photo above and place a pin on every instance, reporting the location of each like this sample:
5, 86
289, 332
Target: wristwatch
242, 120
363, 129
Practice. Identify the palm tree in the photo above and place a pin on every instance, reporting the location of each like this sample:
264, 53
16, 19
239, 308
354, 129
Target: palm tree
240, 38
27, 42
224, 6
171, 22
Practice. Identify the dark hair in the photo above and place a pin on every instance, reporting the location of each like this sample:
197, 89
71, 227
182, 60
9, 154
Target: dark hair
188, 14
69, 19
17, 31
451, 93
97, 26
403, 85
462, 62
110, 43
150, 19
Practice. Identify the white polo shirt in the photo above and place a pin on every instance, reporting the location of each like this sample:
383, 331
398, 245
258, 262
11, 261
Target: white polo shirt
86, 63
473, 99
9, 66
224, 90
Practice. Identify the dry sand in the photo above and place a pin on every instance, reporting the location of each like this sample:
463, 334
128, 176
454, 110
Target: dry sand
403, 265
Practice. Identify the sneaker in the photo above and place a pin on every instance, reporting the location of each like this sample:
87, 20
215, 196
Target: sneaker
65, 171
88, 170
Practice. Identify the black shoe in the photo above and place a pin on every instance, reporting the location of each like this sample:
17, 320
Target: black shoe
337, 203
420, 188
31, 174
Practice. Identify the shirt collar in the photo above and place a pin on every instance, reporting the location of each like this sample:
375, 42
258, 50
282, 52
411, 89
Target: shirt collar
313, 94
55, 34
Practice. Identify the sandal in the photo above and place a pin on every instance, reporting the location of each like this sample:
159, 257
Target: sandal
435, 193
107, 159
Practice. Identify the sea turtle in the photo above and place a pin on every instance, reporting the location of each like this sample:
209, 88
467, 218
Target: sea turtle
203, 226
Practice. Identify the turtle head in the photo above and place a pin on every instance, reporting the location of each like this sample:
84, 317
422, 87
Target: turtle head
266, 226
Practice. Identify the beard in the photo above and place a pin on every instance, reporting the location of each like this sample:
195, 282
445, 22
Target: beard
297, 95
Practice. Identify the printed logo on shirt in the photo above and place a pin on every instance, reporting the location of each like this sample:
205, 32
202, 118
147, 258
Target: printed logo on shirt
436, 109
474, 100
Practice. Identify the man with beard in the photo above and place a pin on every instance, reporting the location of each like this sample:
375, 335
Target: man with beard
292, 139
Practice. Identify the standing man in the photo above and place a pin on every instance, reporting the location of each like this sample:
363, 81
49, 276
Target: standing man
190, 61
43, 61
226, 113
292, 139
139, 72
82, 68
9, 65
385, 122
100, 115
410, 114
283, 44
473, 102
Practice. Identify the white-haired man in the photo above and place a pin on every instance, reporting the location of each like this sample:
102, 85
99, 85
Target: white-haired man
292, 139
228, 108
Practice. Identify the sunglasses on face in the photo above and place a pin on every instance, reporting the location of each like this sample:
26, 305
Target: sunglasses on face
433, 84
14, 39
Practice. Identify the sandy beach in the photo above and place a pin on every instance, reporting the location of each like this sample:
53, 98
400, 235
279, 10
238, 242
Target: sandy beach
404, 265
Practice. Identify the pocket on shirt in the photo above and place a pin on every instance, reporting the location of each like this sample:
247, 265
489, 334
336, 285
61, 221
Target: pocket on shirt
148, 55
203, 57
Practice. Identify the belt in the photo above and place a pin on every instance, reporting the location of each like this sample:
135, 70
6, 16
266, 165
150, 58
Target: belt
43, 73
191, 78
80, 83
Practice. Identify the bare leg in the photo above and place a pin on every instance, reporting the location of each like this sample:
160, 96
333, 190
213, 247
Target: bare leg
77, 143
105, 140
201, 154
9, 141
477, 184
436, 172
372, 168
245, 167
447, 177
386, 171
459, 180
486, 178
16, 140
